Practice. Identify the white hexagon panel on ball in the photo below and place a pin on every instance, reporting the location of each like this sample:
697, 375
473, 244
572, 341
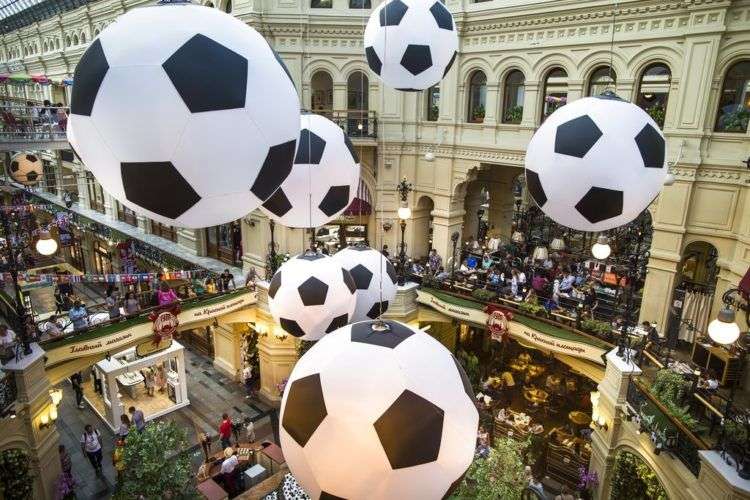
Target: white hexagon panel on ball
391, 400
184, 114
375, 278
324, 178
411, 44
596, 163
311, 295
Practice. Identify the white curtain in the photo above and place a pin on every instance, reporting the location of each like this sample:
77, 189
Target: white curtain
695, 311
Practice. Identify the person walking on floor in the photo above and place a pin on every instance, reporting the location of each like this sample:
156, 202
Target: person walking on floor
124, 429
118, 459
225, 431
136, 416
77, 382
91, 446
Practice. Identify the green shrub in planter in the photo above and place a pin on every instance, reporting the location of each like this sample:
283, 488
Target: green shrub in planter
596, 327
484, 295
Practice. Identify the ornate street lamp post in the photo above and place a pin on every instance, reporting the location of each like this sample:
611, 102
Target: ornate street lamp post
404, 213
454, 238
271, 252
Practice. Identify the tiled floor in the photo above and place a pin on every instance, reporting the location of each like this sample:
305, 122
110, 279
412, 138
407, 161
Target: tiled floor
210, 393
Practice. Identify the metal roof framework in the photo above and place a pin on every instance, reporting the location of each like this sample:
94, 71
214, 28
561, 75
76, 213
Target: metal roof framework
16, 14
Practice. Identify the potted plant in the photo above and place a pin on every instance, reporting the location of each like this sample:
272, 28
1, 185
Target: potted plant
657, 113
477, 114
514, 114
587, 482
484, 295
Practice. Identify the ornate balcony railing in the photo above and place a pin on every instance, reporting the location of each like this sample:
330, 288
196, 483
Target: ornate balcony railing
33, 123
667, 433
355, 124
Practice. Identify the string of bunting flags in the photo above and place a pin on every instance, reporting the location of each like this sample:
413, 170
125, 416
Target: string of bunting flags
109, 278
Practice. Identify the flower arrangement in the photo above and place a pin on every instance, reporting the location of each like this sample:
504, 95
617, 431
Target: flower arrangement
65, 486
587, 480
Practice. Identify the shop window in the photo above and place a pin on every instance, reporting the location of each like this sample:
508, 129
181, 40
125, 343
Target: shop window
125, 214
359, 4
433, 103
321, 4
50, 181
224, 242
555, 91
734, 100
167, 232
603, 78
102, 258
653, 91
477, 97
96, 193
228, 7
321, 100
513, 93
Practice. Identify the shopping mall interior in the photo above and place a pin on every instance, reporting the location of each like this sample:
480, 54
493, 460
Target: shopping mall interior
375, 249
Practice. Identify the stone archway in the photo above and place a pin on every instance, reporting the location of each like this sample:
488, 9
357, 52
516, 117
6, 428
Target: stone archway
634, 478
421, 232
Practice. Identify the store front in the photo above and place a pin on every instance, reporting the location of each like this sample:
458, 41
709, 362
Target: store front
102, 258
149, 377
224, 243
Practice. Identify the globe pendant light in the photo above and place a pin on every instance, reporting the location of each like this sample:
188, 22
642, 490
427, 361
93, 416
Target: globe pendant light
518, 237
389, 397
601, 249
46, 245
540, 253
724, 330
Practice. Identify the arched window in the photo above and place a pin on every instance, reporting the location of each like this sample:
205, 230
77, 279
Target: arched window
228, 7
357, 104
603, 78
210, 4
433, 103
83, 37
555, 91
67, 40
513, 97
45, 47
321, 4
321, 100
734, 100
57, 43
96, 32
653, 91
359, 4
477, 97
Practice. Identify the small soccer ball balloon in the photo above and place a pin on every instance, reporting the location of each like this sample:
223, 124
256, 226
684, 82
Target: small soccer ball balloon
184, 114
394, 403
374, 276
26, 168
324, 178
411, 44
596, 163
311, 295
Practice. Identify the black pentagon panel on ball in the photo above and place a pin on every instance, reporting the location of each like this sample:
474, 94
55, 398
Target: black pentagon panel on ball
273, 287
145, 184
442, 16
410, 431
600, 204
275, 169
408, 90
348, 280
450, 63
416, 59
200, 56
89, 74
310, 149
392, 13
305, 408
535, 188
338, 322
313, 292
576, 137
362, 276
377, 309
464, 379
311, 256
336, 199
32, 176
31, 158
397, 333
350, 147
278, 204
373, 61
291, 327
391, 271
360, 247
324, 495
651, 146
14, 166
610, 96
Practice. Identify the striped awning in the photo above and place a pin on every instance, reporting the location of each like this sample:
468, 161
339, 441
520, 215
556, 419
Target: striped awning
362, 203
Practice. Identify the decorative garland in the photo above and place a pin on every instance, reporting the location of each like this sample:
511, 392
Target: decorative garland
108, 278
15, 482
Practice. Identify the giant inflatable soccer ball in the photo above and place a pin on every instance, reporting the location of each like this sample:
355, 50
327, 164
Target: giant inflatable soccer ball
378, 415
596, 163
26, 168
411, 44
375, 278
184, 114
311, 295
324, 178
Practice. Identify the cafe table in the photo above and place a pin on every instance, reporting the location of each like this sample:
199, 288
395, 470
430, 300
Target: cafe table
211, 490
272, 458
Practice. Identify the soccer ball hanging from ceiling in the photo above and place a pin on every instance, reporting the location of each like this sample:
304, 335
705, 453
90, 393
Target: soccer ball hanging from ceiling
395, 403
374, 276
324, 178
26, 168
596, 163
411, 44
311, 295
184, 114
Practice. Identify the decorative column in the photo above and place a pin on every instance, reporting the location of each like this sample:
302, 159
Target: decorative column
34, 403
472, 203
227, 345
613, 390
277, 351
404, 306
530, 105
190, 240
444, 224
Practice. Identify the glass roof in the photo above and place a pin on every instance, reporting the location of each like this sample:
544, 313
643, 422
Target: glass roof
15, 14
